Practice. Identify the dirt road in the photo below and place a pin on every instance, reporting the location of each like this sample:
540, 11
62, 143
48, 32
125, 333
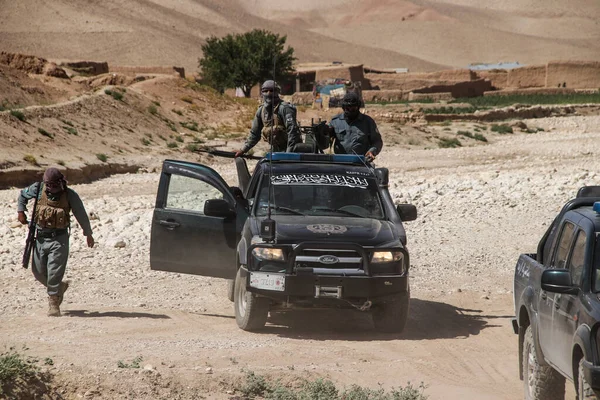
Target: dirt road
479, 207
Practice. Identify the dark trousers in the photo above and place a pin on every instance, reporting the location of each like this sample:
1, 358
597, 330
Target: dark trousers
50, 257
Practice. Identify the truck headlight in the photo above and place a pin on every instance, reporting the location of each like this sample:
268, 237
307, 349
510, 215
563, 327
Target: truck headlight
386, 256
268, 253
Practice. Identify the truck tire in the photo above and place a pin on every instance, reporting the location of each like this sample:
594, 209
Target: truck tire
391, 316
541, 382
230, 289
584, 390
251, 311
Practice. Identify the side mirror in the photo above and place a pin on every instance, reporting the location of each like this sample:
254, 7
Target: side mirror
218, 208
407, 212
558, 281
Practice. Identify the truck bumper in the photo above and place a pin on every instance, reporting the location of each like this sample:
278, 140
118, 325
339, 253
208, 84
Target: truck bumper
317, 289
592, 374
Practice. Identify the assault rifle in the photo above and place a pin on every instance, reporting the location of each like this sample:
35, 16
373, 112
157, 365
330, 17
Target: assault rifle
222, 153
31, 233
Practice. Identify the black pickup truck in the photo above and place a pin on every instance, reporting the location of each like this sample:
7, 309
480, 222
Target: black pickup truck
332, 238
557, 305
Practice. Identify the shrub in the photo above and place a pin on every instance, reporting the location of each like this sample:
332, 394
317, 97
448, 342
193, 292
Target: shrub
172, 145
192, 147
19, 375
61, 162
18, 115
257, 386
45, 133
135, 363
480, 137
114, 93
152, 109
501, 101
117, 95
477, 136
102, 157
449, 143
179, 139
502, 128
449, 110
145, 142
70, 130
64, 121
191, 125
30, 159
178, 112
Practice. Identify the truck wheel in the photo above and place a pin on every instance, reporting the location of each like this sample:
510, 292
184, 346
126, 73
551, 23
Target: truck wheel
391, 316
584, 390
542, 382
230, 289
251, 311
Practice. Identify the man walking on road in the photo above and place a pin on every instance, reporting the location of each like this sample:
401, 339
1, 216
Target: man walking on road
52, 224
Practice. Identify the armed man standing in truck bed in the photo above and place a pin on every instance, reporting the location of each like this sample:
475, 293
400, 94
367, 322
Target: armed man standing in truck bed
52, 224
275, 121
353, 132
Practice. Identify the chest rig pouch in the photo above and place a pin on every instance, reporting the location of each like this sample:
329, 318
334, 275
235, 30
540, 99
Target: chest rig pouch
54, 214
273, 131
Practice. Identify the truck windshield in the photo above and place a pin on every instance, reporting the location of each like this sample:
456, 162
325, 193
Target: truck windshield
321, 195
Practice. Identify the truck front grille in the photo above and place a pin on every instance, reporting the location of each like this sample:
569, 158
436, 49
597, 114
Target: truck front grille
330, 261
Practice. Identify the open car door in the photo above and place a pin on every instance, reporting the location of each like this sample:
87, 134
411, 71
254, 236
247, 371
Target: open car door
196, 223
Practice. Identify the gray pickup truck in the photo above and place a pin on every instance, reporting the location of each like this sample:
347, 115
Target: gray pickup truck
557, 306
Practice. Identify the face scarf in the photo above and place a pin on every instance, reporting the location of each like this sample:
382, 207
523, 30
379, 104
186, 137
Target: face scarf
270, 98
55, 182
351, 112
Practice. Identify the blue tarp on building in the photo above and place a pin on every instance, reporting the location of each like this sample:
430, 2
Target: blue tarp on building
501, 65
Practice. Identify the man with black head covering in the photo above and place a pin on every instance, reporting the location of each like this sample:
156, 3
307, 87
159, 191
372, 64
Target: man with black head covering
275, 121
52, 223
354, 132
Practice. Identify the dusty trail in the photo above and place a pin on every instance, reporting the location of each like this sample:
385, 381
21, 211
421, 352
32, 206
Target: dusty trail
479, 208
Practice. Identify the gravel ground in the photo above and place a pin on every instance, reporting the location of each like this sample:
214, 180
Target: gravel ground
479, 208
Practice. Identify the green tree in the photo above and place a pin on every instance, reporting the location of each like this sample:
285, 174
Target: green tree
244, 60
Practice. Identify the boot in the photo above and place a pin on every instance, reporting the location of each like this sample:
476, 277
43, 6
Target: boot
53, 306
61, 291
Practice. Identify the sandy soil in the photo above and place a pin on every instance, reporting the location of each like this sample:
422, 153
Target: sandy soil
422, 35
479, 207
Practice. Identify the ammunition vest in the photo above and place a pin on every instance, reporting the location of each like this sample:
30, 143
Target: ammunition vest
53, 214
273, 128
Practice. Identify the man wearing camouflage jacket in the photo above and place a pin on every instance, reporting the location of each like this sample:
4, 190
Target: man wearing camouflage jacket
275, 122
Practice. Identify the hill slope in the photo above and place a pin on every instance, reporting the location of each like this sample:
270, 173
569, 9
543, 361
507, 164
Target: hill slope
420, 34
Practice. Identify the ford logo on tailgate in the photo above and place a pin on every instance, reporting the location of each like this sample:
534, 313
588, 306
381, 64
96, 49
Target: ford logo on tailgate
327, 259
